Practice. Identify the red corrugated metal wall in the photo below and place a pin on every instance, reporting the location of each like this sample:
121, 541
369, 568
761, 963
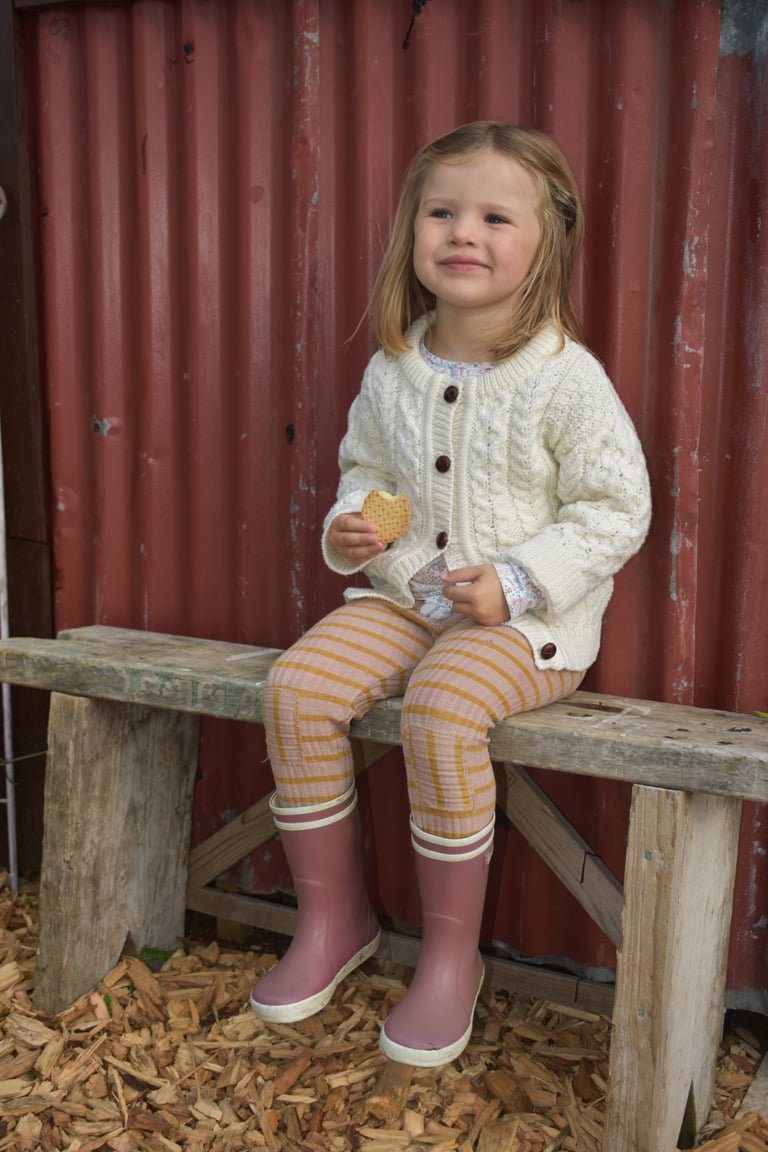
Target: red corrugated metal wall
216, 183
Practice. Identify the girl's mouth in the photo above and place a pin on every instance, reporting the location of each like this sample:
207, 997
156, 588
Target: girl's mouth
461, 263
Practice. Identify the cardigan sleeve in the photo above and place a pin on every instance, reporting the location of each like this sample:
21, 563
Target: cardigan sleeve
364, 461
603, 491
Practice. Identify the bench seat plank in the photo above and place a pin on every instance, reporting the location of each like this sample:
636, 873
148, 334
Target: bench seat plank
642, 742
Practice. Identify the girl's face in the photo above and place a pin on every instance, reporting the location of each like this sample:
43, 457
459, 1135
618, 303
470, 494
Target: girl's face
476, 233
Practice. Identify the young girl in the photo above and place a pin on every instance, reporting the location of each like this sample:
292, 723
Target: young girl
529, 491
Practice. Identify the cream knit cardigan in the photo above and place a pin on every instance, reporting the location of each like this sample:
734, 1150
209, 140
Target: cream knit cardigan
546, 470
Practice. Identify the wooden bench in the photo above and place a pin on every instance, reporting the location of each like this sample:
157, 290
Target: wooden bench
117, 872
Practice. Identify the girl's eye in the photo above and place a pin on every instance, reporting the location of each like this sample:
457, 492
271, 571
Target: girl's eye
494, 218
440, 213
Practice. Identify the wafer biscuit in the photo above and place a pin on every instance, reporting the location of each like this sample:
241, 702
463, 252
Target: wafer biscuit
390, 514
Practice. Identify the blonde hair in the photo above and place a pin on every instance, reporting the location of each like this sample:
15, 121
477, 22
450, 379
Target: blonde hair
399, 298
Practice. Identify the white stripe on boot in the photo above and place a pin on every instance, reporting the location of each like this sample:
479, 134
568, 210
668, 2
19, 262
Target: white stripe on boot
432, 1023
336, 929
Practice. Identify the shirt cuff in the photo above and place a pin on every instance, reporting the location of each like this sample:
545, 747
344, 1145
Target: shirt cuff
520, 592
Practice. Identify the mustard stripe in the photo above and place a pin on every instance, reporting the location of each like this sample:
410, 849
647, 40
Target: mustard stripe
526, 671
496, 666
328, 655
324, 757
348, 620
316, 718
451, 818
477, 643
525, 664
461, 776
438, 666
346, 681
500, 638
479, 654
276, 731
344, 646
301, 778
441, 714
375, 637
446, 689
433, 762
481, 751
322, 674
373, 620
327, 737
509, 658
523, 660
308, 797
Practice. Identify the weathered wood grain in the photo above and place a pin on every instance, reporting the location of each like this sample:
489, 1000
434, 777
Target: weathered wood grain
670, 985
118, 810
656, 744
561, 847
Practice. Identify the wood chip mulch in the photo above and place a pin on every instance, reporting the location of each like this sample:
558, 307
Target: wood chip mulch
175, 1060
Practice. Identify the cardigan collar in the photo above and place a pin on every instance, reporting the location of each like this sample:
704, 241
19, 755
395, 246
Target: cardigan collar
506, 374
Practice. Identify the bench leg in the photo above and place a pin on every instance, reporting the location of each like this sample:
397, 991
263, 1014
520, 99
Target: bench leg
671, 968
117, 818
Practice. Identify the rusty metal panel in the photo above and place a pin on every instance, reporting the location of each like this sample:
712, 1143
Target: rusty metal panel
216, 183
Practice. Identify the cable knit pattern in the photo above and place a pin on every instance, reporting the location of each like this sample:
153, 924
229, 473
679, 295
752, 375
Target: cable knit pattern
545, 470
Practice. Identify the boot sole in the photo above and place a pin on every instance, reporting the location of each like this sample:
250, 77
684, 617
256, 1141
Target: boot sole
303, 1009
429, 1057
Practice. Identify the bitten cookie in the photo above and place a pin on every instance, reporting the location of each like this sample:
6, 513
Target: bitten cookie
390, 514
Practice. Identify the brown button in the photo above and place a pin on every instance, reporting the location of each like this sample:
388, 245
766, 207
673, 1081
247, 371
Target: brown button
441, 539
451, 394
443, 463
548, 651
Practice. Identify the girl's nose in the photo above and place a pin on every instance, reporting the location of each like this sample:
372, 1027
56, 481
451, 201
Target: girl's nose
462, 231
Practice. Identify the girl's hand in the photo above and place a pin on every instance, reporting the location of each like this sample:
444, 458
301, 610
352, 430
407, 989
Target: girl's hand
476, 592
354, 538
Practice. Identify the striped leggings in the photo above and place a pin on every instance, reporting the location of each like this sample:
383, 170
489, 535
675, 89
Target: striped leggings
457, 680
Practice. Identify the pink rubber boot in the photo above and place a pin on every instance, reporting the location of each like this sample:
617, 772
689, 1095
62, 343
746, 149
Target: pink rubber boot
433, 1022
336, 928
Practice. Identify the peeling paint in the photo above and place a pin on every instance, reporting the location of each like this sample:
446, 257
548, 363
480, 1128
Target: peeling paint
675, 536
744, 28
677, 338
680, 346
689, 256
293, 518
